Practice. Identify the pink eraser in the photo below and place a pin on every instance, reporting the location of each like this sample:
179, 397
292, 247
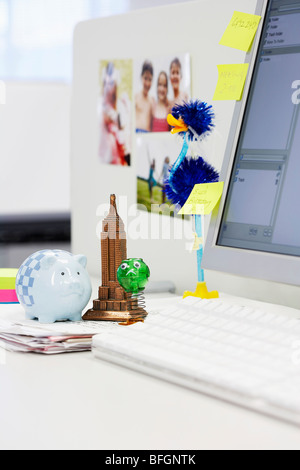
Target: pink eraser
8, 296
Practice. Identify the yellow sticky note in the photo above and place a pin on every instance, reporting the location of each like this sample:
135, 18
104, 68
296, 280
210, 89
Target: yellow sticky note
203, 199
241, 31
231, 83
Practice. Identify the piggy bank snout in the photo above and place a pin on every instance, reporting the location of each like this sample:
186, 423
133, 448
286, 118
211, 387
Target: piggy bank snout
74, 286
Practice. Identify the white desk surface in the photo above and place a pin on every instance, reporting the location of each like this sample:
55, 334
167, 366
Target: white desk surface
74, 401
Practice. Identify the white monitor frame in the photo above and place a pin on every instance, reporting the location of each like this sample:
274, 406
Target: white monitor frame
242, 262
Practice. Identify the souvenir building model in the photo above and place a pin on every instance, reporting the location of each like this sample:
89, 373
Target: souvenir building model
114, 303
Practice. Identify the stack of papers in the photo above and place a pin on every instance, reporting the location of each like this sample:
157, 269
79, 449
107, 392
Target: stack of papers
19, 334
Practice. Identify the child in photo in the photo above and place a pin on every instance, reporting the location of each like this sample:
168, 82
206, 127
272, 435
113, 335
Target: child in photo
162, 106
175, 78
151, 180
143, 102
114, 119
164, 176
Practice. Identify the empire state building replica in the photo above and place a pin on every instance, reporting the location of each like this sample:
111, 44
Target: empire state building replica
114, 303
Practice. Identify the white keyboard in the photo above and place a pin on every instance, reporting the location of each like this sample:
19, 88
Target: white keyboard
242, 355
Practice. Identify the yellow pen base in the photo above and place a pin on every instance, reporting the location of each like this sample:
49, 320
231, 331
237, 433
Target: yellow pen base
202, 292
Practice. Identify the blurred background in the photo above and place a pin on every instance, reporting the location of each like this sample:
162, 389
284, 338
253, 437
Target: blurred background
35, 101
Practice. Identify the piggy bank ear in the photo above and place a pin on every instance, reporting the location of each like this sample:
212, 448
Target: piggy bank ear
48, 261
81, 259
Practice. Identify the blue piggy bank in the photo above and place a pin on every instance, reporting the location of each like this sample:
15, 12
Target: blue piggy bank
53, 285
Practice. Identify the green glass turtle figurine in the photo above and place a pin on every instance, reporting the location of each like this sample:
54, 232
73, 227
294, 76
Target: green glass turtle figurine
133, 275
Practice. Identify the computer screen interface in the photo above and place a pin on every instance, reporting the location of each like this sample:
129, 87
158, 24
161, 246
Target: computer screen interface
261, 210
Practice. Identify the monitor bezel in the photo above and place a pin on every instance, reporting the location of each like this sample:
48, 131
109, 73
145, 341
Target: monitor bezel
242, 262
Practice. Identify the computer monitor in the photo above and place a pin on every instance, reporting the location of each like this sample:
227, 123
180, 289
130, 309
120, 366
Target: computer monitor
255, 232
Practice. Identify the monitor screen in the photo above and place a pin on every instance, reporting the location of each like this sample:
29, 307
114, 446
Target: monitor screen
261, 209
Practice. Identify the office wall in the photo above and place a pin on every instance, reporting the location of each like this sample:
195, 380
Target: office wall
194, 27
35, 162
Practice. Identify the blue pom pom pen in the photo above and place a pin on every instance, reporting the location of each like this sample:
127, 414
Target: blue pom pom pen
192, 121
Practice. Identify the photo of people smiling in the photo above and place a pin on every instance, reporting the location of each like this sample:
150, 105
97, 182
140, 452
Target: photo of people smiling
160, 83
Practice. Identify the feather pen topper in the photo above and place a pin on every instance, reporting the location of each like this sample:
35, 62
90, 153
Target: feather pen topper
189, 172
196, 118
